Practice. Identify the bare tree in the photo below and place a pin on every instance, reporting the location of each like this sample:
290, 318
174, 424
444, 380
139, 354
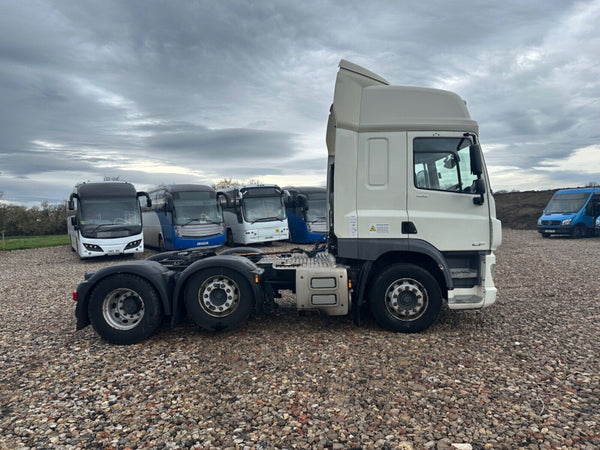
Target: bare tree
232, 182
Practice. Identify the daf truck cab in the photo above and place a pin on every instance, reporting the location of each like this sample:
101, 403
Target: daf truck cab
411, 224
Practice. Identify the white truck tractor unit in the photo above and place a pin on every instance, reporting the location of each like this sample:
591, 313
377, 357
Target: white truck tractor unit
411, 224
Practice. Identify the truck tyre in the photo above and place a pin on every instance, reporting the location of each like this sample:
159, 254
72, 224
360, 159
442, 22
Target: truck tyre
124, 309
218, 299
405, 298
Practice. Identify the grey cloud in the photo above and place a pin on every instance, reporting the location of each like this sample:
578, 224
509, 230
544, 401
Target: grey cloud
241, 144
228, 88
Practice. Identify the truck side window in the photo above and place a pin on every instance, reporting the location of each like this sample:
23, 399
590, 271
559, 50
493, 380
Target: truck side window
443, 164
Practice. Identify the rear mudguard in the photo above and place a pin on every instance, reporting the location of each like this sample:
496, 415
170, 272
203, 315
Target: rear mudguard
161, 278
237, 263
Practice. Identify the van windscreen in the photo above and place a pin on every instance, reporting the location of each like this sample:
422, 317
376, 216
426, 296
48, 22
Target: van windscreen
567, 203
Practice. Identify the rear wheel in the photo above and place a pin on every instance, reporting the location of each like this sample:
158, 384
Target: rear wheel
405, 298
124, 309
218, 299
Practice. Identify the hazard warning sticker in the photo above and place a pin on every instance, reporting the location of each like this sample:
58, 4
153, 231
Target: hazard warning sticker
379, 228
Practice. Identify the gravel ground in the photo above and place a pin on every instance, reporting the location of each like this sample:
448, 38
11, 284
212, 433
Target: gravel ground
523, 373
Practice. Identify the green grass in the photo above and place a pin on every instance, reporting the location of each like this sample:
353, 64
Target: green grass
21, 242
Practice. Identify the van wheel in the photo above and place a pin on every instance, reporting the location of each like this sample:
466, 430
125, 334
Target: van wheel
218, 299
405, 298
161, 244
579, 231
124, 309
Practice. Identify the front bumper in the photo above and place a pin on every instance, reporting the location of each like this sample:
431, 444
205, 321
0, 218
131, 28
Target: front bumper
479, 296
568, 230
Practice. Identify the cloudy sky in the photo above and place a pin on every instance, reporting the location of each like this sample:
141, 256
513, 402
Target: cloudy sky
195, 91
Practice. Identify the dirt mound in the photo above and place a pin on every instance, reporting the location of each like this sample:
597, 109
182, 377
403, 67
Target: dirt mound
521, 210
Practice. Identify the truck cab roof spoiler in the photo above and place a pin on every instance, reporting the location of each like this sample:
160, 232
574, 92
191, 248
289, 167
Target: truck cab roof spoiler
355, 68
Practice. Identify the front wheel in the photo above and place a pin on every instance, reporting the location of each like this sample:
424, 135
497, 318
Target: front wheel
124, 309
218, 299
579, 231
405, 298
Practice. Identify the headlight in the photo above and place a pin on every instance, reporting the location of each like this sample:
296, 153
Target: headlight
566, 222
133, 244
93, 247
539, 221
177, 231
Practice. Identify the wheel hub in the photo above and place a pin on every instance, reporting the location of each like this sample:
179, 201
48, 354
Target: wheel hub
123, 309
406, 299
219, 296
131, 305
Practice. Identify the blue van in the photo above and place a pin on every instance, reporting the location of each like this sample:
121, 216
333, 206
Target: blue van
571, 212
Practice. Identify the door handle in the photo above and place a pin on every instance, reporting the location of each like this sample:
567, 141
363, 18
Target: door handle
408, 228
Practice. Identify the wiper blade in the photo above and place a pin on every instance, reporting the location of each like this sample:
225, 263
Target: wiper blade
190, 221
267, 219
111, 226
101, 225
201, 221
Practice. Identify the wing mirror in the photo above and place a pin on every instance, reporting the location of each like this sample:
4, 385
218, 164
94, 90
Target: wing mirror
145, 194
476, 159
71, 204
301, 201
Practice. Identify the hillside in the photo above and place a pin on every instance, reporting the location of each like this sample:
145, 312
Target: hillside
521, 210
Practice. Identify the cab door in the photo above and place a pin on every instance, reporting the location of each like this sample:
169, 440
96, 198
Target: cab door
380, 186
443, 206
